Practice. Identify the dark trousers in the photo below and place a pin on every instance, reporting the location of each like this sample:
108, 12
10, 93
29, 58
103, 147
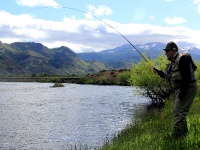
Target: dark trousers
182, 107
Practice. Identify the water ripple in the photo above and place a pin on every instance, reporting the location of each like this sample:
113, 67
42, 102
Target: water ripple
36, 116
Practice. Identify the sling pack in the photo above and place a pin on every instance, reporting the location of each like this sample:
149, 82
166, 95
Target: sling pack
194, 66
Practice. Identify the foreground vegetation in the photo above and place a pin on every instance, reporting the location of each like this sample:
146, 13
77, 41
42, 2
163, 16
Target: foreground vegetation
154, 131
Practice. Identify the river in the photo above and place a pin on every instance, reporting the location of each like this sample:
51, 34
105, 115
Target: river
37, 116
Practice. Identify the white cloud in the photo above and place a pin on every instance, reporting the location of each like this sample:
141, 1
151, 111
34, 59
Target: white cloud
197, 2
32, 3
169, 0
99, 11
152, 17
174, 20
139, 14
86, 35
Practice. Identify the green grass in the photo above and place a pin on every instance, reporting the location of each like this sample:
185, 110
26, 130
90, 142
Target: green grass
154, 132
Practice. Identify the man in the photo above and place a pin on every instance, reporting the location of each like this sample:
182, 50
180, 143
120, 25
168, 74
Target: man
180, 74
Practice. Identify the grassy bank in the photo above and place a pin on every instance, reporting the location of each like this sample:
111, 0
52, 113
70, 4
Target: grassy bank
107, 77
154, 133
104, 77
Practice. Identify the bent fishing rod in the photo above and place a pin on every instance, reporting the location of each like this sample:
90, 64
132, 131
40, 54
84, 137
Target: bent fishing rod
65, 7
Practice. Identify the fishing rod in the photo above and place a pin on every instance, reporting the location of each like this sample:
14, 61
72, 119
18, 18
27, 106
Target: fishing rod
100, 20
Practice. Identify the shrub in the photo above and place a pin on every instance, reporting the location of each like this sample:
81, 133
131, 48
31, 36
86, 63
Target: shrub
151, 85
58, 85
124, 77
86, 80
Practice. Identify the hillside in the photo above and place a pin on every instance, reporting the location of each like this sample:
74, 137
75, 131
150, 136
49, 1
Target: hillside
23, 59
126, 54
27, 58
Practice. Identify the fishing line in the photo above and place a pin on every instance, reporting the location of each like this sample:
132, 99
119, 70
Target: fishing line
97, 19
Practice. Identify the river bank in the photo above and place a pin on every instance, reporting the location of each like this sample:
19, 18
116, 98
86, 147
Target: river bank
155, 129
104, 77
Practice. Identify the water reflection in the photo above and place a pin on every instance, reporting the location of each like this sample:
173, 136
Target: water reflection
34, 115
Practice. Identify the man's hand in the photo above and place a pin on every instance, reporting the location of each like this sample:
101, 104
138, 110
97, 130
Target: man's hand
155, 70
159, 72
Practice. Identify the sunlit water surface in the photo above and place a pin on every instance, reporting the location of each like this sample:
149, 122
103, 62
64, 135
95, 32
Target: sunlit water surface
37, 116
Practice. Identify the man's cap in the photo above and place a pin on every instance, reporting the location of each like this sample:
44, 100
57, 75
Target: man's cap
171, 46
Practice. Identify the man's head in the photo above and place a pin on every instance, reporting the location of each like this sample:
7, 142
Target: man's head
170, 50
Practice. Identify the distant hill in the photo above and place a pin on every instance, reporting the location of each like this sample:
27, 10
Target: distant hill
34, 58
27, 58
126, 55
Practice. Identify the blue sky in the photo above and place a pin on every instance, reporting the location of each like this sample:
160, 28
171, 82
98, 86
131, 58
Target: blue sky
51, 23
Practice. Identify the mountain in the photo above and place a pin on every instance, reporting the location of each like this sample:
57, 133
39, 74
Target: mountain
33, 58
127, 54
195, 52
27, 58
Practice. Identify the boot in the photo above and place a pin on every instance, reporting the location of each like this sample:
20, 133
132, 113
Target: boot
180, 130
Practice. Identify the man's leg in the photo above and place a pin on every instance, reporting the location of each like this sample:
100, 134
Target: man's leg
181, 109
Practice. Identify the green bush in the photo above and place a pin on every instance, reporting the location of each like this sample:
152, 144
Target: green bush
142, 74
104, 81
124, 77
85, 80
58, 85
151, 85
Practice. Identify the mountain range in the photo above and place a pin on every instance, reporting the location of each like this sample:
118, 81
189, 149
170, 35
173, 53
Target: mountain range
26, 58
127, 53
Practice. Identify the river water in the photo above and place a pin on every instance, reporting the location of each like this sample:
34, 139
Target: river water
37, 116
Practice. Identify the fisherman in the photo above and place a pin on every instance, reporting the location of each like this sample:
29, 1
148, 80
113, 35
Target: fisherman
180, 74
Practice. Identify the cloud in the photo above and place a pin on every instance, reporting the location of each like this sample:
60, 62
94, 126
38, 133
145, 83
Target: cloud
174, 20
197, 2
99, 11
152, 17
139, 14
32, 3
87, 35
169, 0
